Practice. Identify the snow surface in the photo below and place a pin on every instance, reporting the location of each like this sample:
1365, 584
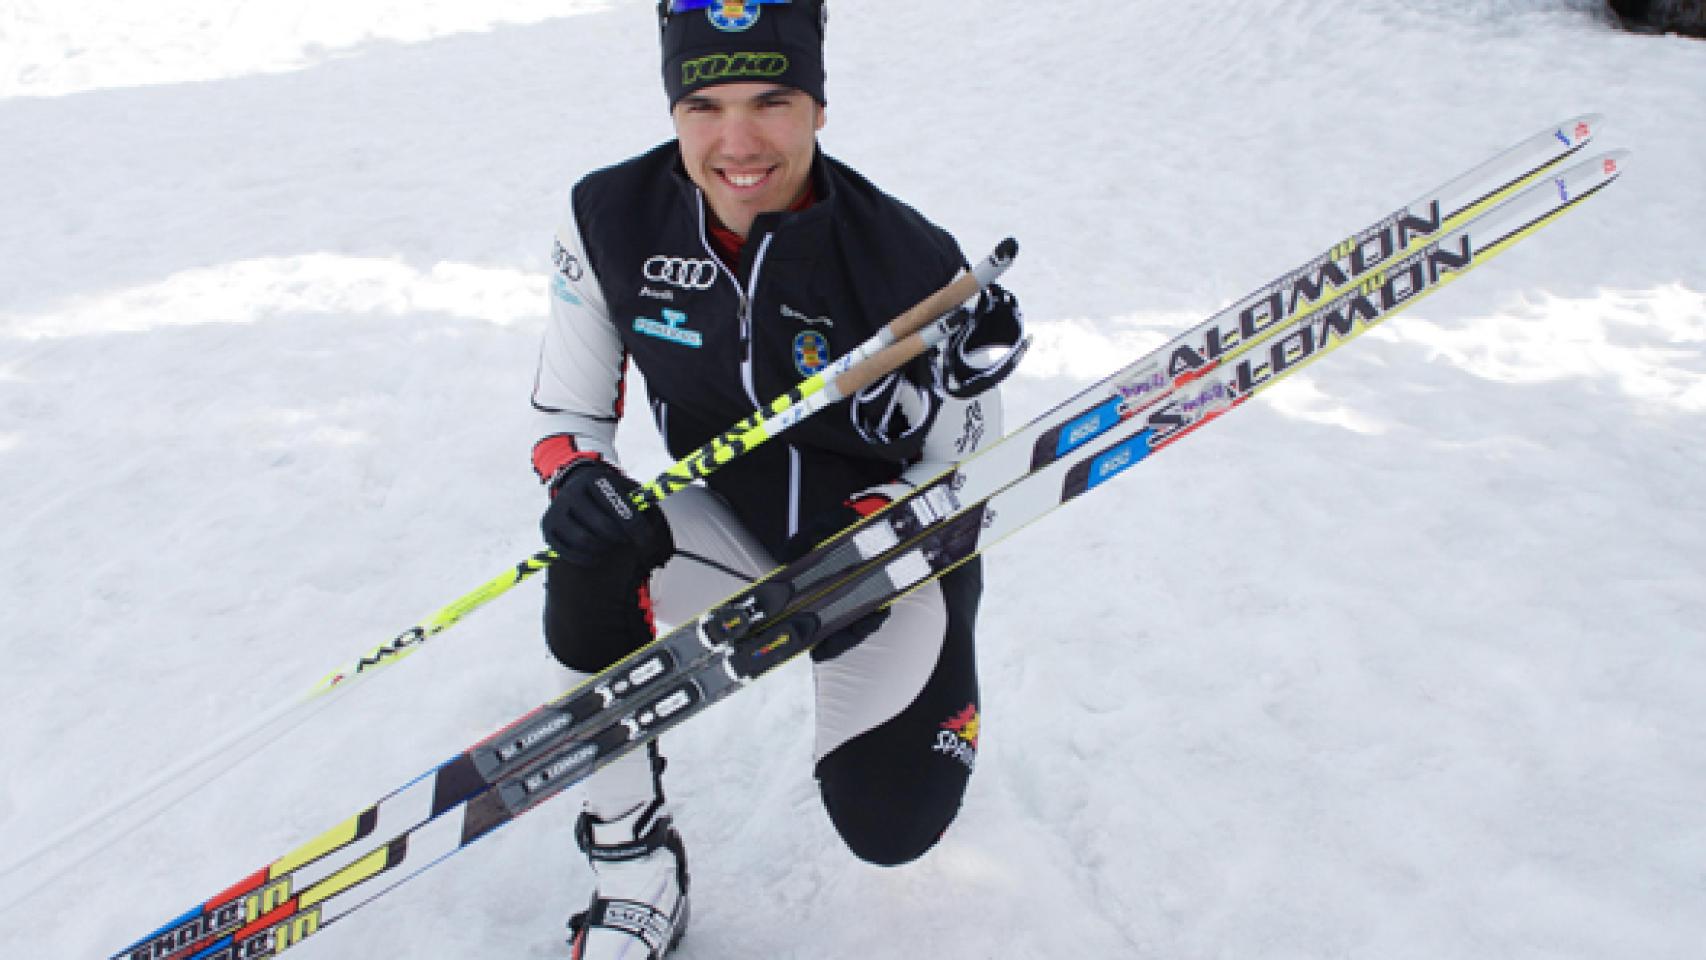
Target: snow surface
1403, 661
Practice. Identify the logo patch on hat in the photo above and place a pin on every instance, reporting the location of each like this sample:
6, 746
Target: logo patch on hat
811, 352
733, 16
728, 66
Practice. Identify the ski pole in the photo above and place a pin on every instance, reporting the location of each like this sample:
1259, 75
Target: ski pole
908, 335
923, 326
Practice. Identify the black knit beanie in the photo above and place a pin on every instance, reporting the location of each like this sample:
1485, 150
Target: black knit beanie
721, 41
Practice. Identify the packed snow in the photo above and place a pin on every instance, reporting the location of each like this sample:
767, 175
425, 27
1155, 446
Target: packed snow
1402, 661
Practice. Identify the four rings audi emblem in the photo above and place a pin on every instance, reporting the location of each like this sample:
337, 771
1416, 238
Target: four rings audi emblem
682, 272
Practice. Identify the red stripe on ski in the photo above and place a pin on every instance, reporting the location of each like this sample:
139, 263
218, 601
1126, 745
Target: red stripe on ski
265, 921
241, 888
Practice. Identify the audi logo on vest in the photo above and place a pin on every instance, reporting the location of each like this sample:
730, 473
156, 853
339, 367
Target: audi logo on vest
683, 272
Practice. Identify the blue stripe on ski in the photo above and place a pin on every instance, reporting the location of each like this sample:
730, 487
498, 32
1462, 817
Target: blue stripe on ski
1088, 427
1120, 457
169, 926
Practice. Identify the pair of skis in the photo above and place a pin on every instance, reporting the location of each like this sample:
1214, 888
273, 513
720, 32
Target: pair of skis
1079, 445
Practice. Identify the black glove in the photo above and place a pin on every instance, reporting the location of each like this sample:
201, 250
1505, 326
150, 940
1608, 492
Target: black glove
819, 528
592, 520
986, 345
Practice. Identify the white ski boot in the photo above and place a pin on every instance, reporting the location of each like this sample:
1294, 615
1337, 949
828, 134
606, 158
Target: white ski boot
639, 911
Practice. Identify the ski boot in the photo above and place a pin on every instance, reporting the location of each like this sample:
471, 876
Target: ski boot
640, 909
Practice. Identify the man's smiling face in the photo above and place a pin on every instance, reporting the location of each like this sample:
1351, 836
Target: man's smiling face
748, 146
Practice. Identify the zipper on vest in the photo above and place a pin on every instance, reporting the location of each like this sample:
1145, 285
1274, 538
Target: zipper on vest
717, 258
746, 318
746, 296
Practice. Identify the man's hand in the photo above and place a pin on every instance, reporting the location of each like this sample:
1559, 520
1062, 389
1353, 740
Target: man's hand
592, 520
986, 346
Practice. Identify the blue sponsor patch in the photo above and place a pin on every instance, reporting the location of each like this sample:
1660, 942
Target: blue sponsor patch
1117, 460
670, 328
1088, 427
811, 352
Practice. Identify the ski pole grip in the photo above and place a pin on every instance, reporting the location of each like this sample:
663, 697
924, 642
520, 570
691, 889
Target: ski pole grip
958, 291
909, 329
901, 339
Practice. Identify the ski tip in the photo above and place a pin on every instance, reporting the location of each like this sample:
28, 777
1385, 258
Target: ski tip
1584, 177
1580, 129
1007, 250
1604, 166
1613, 162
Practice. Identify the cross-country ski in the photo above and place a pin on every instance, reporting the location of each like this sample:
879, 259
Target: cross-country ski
712, 479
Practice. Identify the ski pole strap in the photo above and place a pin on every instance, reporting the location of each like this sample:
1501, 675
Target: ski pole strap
921, 327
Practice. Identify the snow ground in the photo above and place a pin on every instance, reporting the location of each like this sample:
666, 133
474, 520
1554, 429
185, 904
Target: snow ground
1404, 661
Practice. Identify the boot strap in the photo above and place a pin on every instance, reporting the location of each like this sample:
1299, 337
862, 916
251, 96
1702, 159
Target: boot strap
655, 838
642, 921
